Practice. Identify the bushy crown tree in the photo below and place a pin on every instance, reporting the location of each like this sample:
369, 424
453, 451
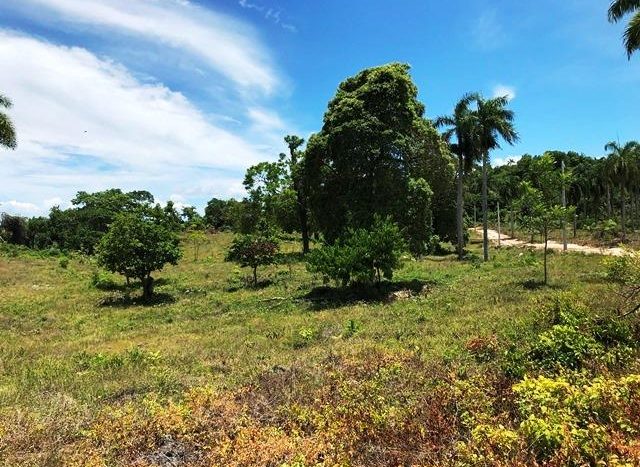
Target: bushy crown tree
254, 251
374, 140
136, 246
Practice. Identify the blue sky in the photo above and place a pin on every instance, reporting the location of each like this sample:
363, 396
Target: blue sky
179, 97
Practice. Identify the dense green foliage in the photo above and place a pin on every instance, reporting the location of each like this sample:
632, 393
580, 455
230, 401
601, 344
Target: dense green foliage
361, 256
252, 251
137, 245
373, 142
14, 229
604, 191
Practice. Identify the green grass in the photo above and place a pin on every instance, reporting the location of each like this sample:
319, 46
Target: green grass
66, 343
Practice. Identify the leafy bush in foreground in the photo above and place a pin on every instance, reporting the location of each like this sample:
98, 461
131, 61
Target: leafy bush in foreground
361, 256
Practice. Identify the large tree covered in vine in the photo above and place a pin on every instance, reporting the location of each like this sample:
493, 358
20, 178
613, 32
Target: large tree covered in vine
374, 145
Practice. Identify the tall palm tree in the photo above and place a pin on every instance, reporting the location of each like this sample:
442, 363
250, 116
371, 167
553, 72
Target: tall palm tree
460, 125
7, 130
493, 121
618, 10
622, 159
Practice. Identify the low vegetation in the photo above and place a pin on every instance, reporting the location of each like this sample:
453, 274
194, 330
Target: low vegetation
369, 339
423, 372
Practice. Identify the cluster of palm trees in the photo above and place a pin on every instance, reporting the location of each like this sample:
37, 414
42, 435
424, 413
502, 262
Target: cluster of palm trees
478, 125
621, 170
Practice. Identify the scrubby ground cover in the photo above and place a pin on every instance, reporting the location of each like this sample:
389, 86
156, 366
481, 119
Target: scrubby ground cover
452, 363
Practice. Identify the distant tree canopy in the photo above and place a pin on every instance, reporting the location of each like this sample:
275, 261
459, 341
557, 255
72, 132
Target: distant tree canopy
373, 143
81, 226
601, 189
14, 229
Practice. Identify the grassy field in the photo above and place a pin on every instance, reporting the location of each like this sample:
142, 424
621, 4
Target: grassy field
77, 346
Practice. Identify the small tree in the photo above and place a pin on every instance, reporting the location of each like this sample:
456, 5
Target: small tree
362, 255
253, 251
540, 205
197, 238
540, 215
136, 246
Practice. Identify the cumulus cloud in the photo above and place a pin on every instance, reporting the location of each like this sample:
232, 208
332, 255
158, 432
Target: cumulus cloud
86, 123
18, 207
222, 43
501, 90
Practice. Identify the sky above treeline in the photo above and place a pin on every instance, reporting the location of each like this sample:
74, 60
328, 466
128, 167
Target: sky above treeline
179, 97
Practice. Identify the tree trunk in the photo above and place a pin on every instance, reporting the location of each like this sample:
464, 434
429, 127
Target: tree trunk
623, 217
512, 220
255, 276
460, 208
499, 231
301, 202
147, 288
304, 225
564, 206
485, 222
546, 239
609, 209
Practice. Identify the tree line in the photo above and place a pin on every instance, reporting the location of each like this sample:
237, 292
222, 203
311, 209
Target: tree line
377, 180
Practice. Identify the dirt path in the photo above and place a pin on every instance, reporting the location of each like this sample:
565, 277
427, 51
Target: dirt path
505, 240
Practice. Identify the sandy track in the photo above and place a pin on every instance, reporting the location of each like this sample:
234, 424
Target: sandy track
505, 240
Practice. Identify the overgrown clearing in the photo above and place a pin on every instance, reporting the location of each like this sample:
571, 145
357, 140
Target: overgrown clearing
294, 371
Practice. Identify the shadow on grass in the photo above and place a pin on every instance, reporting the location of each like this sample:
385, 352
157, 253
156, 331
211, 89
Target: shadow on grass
113, 286
127, 300
249, 285
325, 297
533, 284
291, 257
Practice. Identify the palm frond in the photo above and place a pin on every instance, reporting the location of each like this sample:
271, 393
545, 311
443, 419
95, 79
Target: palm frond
631, 37
7, 132
5, 102
619, 8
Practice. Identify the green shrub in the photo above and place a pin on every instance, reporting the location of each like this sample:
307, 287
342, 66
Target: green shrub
253, 251
565, 346
361, 256
575, 420
64, 262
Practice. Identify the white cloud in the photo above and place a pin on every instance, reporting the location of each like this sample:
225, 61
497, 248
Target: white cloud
18, 207
86, 123
270, 14
264, 119
507, 160
487, 32
69, 104
501, 90
227, 46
